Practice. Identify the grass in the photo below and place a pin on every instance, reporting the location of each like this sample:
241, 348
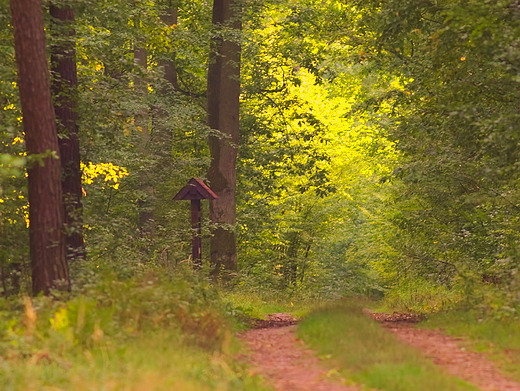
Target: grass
255, 306
149, 333
498, 338
369, 355
153, 362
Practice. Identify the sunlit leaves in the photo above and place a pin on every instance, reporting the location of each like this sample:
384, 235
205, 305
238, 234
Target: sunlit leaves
111, 173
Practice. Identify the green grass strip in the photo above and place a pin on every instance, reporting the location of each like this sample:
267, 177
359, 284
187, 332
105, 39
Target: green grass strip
370, 355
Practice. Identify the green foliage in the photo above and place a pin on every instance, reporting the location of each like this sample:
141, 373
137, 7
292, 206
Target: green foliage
442, 85
13, 193
420, 296
374, 357
310, 190
174, 150
10, 166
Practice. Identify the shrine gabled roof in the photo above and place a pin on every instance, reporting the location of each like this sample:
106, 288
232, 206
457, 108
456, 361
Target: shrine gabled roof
196, 189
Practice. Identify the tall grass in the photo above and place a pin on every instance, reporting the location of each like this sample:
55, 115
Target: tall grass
369, 355
152, 332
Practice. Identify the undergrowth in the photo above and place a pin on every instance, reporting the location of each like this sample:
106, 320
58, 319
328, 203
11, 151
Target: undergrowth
247, 304
154, 331
419, 296
368, 354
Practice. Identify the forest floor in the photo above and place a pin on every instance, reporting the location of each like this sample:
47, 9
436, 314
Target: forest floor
276, 354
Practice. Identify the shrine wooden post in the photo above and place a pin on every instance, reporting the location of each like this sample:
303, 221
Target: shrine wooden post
195, 191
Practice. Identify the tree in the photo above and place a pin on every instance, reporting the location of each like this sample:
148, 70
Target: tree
65, 91
47, 245
170, 18
145, 204
223, 116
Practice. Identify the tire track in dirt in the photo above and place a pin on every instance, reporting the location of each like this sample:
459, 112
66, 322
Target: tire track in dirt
282, 359
445, 351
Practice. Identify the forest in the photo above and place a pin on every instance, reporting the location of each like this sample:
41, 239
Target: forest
359, 150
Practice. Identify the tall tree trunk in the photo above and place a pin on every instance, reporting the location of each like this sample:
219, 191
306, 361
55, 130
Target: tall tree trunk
145, 205
169, 18
162, 138
223, 115
47, 245
64, 88
162, 129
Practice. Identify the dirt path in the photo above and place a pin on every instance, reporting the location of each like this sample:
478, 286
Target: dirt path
277, 355
445, 351
284, 361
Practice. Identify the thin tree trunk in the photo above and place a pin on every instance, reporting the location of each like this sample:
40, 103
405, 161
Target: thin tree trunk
145, 203
162, 138
223, 115
169, 18
64, 88
163, 134
163, 128
47, 245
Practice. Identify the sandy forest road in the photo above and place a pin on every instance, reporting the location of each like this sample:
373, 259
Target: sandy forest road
276, 354
279, 357
445, 351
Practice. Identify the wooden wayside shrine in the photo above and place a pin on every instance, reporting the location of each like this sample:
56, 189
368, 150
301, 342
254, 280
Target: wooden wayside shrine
195, 191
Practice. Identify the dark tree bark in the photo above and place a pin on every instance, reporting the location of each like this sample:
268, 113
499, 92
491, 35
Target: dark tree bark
64, 89
162, 138
47, 245
169, 18
146, 220
223, 115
